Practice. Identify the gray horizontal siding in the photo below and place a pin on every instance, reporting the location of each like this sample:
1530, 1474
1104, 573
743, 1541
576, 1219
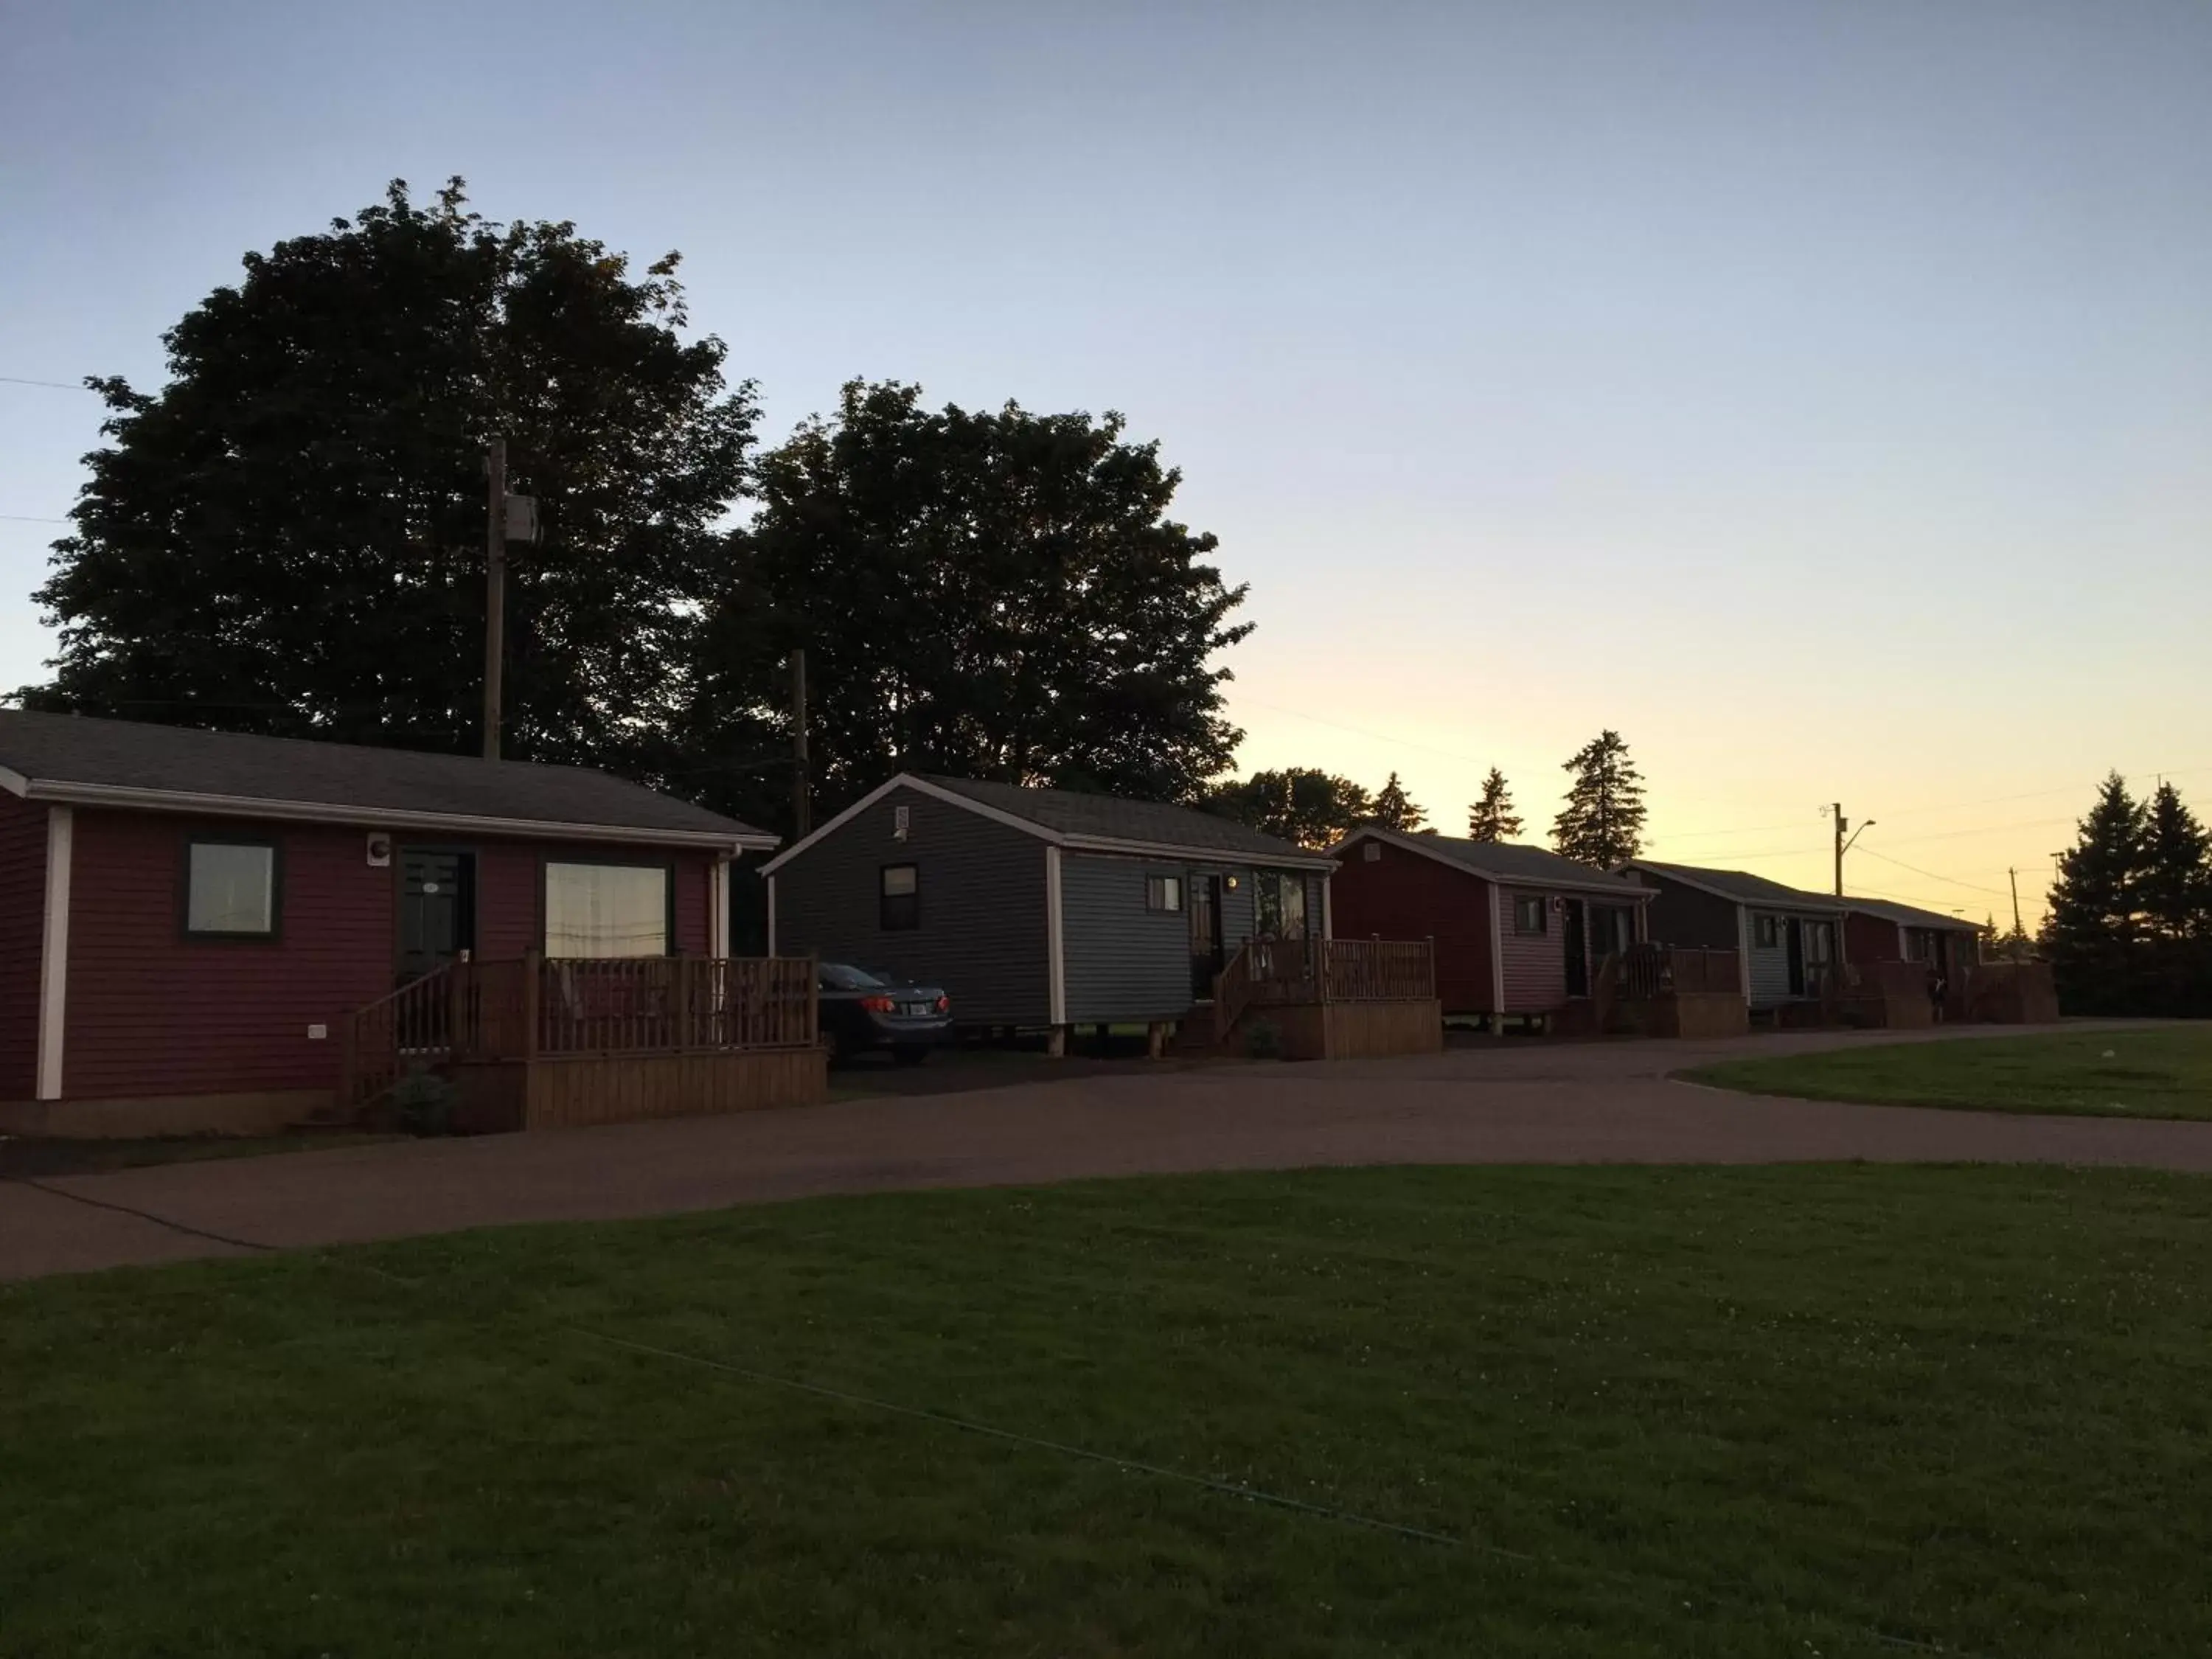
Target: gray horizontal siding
982, 932
1123, 961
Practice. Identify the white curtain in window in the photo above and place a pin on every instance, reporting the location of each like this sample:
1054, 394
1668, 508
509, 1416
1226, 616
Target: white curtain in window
232, 889
605, 910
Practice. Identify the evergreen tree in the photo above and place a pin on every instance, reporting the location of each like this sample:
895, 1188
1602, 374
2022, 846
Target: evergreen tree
1395, 810
1301, 804
2175, 892
2094, 933
1602, 821
1492, 817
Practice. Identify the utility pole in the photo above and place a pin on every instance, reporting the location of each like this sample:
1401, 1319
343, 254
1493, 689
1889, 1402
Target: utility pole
802, 814
1836, 810
2013, 875
495, 592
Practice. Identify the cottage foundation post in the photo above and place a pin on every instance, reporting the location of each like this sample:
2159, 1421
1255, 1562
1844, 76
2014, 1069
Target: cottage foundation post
1156, 1040
1055, 1043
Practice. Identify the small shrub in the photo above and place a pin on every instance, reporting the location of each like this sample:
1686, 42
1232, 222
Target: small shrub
424, 1102
1263, 1040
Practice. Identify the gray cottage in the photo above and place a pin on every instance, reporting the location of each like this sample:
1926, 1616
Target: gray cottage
1790, 942
1040, 907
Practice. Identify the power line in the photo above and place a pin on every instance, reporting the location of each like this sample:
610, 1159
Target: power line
1948, 881
28, 518
59, 385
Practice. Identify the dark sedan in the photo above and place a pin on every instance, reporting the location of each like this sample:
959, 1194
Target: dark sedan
861, 1010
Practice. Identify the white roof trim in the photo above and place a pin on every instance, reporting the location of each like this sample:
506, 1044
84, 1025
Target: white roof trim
1541, 884
310, 811
1816, 906
1075, 843
14, 782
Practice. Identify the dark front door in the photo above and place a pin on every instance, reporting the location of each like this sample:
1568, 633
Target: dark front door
437, 911
1577, 952
1206, 957
1795, 933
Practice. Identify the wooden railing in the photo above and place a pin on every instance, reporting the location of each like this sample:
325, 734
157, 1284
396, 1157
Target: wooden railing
1322, 970
1658, 970
540, 1009
1378, 970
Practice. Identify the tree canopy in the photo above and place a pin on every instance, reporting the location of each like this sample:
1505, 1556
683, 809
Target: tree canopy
998, 594
1300, 803
1602, 821
1492, 817
288, 536
2129, 930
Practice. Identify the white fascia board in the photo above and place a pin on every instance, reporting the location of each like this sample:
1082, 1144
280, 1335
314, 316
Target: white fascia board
1236, 858
14, 782
128, 798
920, 786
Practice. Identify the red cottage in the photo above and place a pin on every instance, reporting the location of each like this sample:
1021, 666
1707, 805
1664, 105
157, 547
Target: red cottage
188, 919
1518, 931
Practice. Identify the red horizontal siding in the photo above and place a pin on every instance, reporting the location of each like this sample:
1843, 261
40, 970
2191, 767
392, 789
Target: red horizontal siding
1871, 938
1404, 895
1535, 964
153, 1013
22, 938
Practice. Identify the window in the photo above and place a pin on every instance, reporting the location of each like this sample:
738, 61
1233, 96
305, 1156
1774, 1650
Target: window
1163, 892
1530, 915
230, 890
900, 899
1765, 931
1373, 852
843, 976
606, 909
1278, 904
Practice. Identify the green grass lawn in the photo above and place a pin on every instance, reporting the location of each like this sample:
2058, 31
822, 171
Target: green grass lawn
2158, 1071
1757, 1411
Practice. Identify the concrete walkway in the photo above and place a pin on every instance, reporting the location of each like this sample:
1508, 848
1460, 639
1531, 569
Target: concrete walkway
1512, 1103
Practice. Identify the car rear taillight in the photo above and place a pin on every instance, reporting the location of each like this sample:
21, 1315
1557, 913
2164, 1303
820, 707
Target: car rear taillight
878, 1004
944, 1004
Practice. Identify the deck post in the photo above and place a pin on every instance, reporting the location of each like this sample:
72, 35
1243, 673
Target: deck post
683, 1002
533, 963
457, 1005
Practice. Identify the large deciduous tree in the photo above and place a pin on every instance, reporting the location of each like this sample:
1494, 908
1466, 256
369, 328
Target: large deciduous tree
288, 536
1602, 821
997, 594
1303, 804
1492, 817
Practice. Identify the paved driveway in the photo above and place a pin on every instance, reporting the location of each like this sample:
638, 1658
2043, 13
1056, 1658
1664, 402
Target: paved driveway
1512, 1103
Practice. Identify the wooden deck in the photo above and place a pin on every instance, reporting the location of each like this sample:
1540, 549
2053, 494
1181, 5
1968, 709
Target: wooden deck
539, 1043
1331, 999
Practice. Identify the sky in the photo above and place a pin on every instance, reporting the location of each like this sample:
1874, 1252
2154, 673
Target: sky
1818, 395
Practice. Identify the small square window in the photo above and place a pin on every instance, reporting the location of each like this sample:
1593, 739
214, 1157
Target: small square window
1373, 852
1163, 892
1765, 931
230, 890
902, 898
1529, 915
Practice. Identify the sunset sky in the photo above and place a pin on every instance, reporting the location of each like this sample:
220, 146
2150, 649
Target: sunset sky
1819, 395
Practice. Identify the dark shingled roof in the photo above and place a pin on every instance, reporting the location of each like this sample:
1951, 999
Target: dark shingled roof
1109, 817
73, 748
1743, 887
1506, 860
1911, 915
